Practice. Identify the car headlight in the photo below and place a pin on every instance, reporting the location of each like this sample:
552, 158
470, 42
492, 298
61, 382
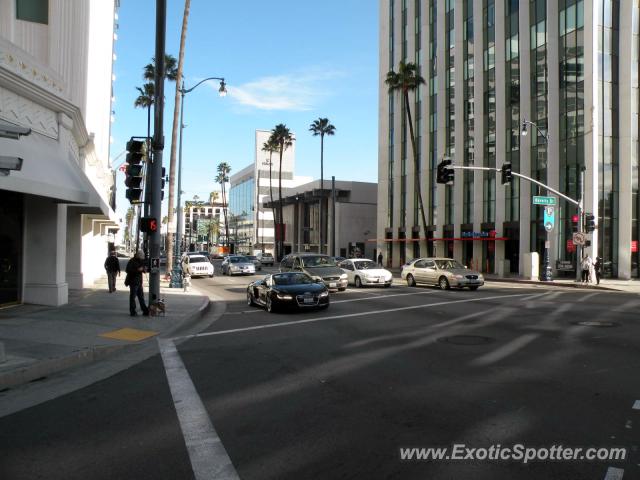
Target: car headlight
343, 276
459, 277
284, 296
480, 277
324, 294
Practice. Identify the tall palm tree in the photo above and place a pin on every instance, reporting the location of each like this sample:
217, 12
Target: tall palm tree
406, 80
322, 127
170, 69
271, 146
284, 139
213, 197
222, 178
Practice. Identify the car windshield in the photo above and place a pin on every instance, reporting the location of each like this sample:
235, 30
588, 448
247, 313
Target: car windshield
252, 257
365, 265
238, 259
318, 261
197, 260
292, 279
448, 264
267, 255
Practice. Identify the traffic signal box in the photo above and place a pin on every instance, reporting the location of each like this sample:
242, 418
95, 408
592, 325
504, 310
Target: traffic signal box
148, 224
507, 176
574, 222
133, 174
445, 174
589, 222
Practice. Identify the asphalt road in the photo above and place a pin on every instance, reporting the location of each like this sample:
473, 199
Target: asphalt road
338, 393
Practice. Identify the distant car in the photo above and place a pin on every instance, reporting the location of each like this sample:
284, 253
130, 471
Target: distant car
288, 290
316, 265
265, 258
362, 271
197, 265
256, 262
238, 265
443, 272
339, 259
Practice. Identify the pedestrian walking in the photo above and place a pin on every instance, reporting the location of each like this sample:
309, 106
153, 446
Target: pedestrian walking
587, 264
135, 269
597, 268
380, 259
112, 266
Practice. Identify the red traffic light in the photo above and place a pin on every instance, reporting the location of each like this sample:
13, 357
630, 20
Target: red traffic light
574, 218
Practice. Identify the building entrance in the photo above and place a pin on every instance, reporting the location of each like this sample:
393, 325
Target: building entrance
11, 215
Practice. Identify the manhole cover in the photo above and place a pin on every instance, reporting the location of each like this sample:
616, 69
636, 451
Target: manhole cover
466, 340
595, 323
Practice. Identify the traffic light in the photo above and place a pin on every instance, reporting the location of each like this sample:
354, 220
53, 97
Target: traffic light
574, 222
507, 176
133, 179
445, 174
589, 222
148, 225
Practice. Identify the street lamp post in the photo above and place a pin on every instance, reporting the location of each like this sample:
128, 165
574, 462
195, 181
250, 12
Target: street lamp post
546, 274
176, 274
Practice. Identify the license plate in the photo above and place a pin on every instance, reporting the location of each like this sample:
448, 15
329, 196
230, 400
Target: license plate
308, 299
333, 285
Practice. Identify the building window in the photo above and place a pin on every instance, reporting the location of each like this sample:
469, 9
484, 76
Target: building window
33, 11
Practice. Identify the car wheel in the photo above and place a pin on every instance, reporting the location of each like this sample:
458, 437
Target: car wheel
211, 276
250, 301
411, 281
358, 282
387, 285
443, 283
270, 306
473, 288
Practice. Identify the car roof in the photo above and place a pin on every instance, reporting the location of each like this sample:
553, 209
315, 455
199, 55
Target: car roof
309, 254
197, 255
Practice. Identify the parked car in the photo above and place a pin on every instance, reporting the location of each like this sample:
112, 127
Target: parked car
316, 266
288, 290
444, 272
265, 258
197, 265
256, 261
339, 259
362, 271
237, 265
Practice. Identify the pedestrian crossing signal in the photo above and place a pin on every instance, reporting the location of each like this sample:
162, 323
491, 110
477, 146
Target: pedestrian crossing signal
148, 225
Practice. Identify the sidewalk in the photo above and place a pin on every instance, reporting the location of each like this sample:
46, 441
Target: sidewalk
40, 341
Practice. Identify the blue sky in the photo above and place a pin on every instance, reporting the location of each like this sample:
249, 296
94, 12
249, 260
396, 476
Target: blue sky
285, 61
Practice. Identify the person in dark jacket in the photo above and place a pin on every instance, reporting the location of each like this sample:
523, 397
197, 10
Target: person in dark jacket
112, 266
597, 268
135, 269
380, 259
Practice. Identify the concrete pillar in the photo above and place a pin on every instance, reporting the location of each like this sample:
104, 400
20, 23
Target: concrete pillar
45, 252
478, 91
458, 193
501, 129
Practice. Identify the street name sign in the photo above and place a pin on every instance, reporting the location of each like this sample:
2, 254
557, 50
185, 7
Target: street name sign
538, 200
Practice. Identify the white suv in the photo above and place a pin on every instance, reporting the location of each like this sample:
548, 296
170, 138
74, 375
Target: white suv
197, 265
265, 258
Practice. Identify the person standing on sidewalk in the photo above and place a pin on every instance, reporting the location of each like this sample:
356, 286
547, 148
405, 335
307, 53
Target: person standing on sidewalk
135, 269
597, 266
380, 259
587, 264
112, 266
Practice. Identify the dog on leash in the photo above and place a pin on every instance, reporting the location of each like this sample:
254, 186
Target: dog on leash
186, 281
158, 308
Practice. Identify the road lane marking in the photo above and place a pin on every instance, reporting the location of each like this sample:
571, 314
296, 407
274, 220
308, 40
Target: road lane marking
636, 405
209, 459
385, 296
348, 315
614, 473
505, 350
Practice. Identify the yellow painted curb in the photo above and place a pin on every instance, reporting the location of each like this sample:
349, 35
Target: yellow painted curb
129, 334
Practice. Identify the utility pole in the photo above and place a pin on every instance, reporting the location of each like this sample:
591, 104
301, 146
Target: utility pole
580, 227
333, 216
158, 146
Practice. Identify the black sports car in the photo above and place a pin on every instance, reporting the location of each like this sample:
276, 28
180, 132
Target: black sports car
288, 290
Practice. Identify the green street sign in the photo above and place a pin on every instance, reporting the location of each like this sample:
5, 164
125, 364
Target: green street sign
544, 200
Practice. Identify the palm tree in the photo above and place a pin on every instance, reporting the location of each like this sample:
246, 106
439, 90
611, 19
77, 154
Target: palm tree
213, 197
271, 146
322, 127
405, 80
170, 69
284, 139
222, 178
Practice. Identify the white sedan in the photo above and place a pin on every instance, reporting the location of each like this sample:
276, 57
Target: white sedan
197, 265
361, 271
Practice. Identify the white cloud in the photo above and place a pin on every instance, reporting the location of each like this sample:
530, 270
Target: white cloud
297, 91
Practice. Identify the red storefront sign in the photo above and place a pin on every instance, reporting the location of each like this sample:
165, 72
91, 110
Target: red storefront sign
571, 247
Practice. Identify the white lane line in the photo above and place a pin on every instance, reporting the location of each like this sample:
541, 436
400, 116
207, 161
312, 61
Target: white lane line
209, 459
614, 473
636, 405
385, 297
348, 315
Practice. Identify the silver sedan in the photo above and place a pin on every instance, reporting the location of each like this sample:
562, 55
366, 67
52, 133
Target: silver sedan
443, 272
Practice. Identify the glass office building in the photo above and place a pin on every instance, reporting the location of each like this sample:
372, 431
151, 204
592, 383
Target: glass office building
568, 66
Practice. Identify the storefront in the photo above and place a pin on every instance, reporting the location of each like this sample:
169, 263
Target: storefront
11, 215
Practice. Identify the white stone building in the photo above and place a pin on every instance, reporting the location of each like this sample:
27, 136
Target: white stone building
57, 212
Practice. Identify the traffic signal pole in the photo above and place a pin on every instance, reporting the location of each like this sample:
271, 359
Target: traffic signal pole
155, 209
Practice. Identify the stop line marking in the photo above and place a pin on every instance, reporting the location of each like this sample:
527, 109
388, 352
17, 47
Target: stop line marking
350, 315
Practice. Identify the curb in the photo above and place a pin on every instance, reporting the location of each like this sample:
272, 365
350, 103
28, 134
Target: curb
552, 284
41, 369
